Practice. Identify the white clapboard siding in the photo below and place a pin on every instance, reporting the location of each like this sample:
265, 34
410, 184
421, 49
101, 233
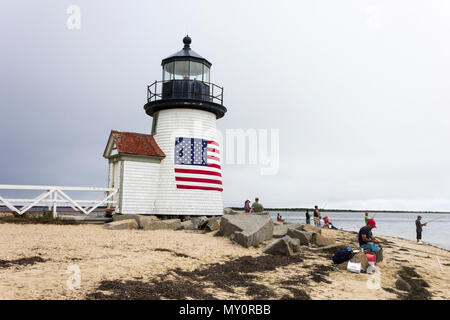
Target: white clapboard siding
191, 123
139, 187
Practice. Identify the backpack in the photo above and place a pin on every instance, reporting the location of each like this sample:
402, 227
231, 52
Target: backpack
342, 255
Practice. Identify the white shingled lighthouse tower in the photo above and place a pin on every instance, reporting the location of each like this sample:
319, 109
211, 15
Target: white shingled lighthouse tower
175, 170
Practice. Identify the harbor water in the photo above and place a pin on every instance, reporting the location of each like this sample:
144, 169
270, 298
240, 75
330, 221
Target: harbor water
401, 225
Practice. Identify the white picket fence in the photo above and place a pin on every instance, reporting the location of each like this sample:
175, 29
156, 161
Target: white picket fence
53, 197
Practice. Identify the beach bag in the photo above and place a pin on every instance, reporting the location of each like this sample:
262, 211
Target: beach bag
342, 255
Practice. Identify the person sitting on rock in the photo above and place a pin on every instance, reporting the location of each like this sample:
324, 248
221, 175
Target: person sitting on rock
247, 206
366, 239
326, 222
257, 206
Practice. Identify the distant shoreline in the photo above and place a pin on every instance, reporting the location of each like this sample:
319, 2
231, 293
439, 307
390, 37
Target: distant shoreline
346, 210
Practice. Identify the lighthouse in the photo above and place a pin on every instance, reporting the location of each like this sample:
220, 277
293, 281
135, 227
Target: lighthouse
176, 169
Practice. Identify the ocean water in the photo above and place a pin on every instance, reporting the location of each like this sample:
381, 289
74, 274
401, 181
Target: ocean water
401, 225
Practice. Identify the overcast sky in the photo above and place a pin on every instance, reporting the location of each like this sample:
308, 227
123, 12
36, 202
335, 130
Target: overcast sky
360, 91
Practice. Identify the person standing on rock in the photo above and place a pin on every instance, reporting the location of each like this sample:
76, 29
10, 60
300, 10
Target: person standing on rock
316, 216
308, 217
257, 206
419, 229
366, 218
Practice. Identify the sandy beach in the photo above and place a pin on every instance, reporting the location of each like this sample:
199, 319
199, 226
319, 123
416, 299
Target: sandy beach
40, 262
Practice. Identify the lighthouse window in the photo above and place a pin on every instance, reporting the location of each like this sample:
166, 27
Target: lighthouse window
196, 71
181, 70
205, 74
168, 71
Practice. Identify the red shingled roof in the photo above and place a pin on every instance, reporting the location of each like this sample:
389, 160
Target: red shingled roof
136, 143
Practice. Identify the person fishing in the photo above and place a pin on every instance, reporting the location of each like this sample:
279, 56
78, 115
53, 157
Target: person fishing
366, 218
316, 216
419, 226
366, 239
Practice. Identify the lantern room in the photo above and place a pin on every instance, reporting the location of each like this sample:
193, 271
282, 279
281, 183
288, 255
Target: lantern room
186, 65
185, 84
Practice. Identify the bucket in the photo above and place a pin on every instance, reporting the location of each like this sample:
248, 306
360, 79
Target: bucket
371, 257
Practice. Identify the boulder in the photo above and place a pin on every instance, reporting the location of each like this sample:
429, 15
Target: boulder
126, 224
403, 285
213, 224
303, 236
295, 244
156, 224
332, 248
280, 246
247, 230
144, 220
320, 240
172, 224
121, 217
200, 222
279, 230
360, 257
230, 211
310, 228
188, 225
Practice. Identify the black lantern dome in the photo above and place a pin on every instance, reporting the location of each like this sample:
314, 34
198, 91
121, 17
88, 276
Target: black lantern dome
185, 84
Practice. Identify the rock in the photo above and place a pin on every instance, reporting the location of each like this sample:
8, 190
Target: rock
310, 228
188, 225
295, 244
280, 246
200, 222
303, 236
144, 220
320, 240
279, 231
230, 211
247, 230
213, 224
403, 285
126, 224
121, 217
156, 224
172, 224
360, 257
332, 248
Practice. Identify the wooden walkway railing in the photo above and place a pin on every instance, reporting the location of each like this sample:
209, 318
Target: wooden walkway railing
53, 196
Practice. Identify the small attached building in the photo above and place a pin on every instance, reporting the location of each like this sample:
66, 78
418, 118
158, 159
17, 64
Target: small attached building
134, 162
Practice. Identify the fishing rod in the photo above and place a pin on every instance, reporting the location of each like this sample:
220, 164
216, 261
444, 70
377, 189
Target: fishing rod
434, 219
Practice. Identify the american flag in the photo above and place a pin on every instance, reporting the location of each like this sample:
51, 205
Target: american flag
197, 164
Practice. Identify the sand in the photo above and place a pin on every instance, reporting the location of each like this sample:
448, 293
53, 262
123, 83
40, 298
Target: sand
164, 264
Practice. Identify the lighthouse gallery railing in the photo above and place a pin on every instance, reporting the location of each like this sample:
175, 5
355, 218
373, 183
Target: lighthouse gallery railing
185, 89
